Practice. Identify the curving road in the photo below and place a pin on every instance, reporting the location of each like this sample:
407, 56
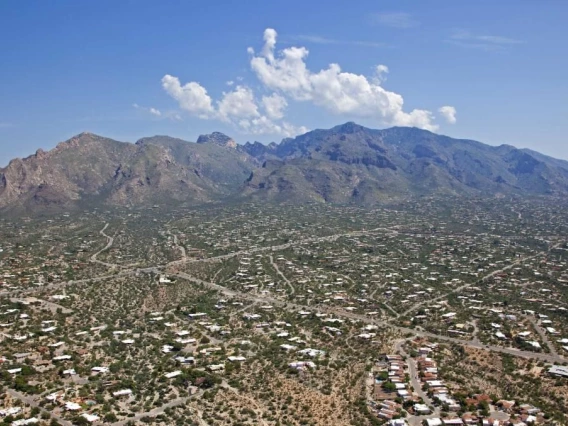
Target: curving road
275, 266
552, 357
482, 279
179, 247
417, 386
281, 246
159, 410
110, 242
56, 286
350, 315
543, 336
33, 403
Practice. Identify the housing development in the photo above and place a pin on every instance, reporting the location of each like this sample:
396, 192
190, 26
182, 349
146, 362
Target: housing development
283, 213
429, 312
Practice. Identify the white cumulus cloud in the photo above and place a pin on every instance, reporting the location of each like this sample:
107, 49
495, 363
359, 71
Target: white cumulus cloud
274, 105
285, 77
449, 113
264, 125
191, 97
239, 107
340, 92
381, 72
239, 103
153, 111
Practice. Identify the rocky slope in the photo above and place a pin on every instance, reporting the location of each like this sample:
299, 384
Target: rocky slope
346, 164
93, 169
350, 163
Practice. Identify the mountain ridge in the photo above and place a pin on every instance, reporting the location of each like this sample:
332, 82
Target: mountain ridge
348, 163
425, 163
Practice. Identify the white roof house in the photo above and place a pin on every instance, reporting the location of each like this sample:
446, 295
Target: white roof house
61, 358
72, 406
558, 370
90, 417
122, 392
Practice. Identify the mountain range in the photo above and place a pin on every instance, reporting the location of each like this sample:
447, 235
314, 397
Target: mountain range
347, 164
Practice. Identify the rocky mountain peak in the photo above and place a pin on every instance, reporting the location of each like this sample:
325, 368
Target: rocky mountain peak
78, 140
346, 164
217, 138
40, 153
349, 127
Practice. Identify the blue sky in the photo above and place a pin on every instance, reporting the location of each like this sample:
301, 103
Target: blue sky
494, 71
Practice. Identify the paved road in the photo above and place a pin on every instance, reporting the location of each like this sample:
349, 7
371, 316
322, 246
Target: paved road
413, 373
475, 334
255, 298
56, 286
281, 246
179, 247
110, 242
53, 306
417, 385
32, 402
159, 410
555, 358
278, 302
243, 309
435, 299
389, 307
351, 315
275, 266
543, 336
484, 278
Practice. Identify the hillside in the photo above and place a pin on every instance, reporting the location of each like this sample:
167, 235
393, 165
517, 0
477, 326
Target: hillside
93, 169
346, 164
350, 163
